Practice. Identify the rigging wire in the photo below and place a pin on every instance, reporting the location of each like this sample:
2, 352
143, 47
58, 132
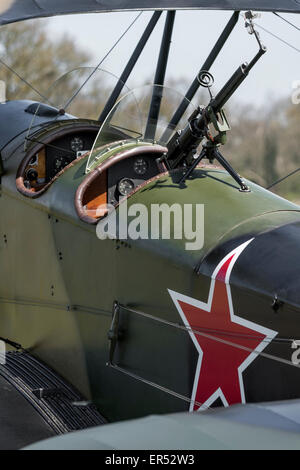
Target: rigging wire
277, 37
85, 82
283, 179
117, 42
201, 332
286, 43
287, 21
101, 61
196, 332
161, 388
97, 311
24, 81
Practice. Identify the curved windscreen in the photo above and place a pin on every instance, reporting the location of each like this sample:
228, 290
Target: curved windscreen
142, 115
80, 93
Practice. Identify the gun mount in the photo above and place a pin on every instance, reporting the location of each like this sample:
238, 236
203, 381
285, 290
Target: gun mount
182, 148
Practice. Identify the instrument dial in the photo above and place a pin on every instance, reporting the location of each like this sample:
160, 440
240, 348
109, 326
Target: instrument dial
32, 175
60, 162
77, 144
140, 166
125, 186
34, 161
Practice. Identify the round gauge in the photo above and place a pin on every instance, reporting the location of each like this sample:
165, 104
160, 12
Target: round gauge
125, 186
32, 175
76, 144
60, 162
140, 166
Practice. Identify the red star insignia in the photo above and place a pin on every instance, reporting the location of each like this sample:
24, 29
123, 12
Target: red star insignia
226, 343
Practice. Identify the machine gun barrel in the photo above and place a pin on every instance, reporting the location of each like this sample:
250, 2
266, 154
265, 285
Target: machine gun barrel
189, 138
234, 82
228, 90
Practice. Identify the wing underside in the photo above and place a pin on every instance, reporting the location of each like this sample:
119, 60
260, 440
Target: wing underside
28, 9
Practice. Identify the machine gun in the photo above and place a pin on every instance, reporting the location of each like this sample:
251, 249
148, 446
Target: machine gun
182, 148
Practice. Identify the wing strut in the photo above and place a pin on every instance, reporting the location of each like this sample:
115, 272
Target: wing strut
160, 75
206, 66
130, 65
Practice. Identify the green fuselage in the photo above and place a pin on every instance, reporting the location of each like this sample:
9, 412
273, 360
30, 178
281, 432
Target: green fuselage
59, 282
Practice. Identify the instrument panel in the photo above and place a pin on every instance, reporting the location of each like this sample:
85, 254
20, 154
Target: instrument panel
118, 178
53, 157
127, 175
115, 183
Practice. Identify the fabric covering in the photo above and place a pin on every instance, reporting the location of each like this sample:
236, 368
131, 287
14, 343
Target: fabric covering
26, 9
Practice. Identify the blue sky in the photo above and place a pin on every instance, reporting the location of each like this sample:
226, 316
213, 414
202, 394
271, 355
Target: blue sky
194, 35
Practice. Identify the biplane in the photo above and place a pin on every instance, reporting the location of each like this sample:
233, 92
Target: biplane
102, 329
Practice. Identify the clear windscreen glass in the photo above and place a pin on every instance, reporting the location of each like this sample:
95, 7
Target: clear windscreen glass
144, 114
80, 93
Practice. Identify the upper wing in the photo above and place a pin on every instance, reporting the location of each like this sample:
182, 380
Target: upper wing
26, 9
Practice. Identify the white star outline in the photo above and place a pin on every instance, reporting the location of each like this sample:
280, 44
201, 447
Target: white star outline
269, 334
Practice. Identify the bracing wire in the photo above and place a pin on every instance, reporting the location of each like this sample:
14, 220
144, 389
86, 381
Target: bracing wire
117, 42
210, 335
84, 83
278, 37
161, 388
24, 81
283, 179
287, 21
196, 332
199, 331
101, 61
286, 43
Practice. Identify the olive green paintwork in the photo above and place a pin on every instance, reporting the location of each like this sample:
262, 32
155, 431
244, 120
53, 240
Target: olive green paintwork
58, 282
